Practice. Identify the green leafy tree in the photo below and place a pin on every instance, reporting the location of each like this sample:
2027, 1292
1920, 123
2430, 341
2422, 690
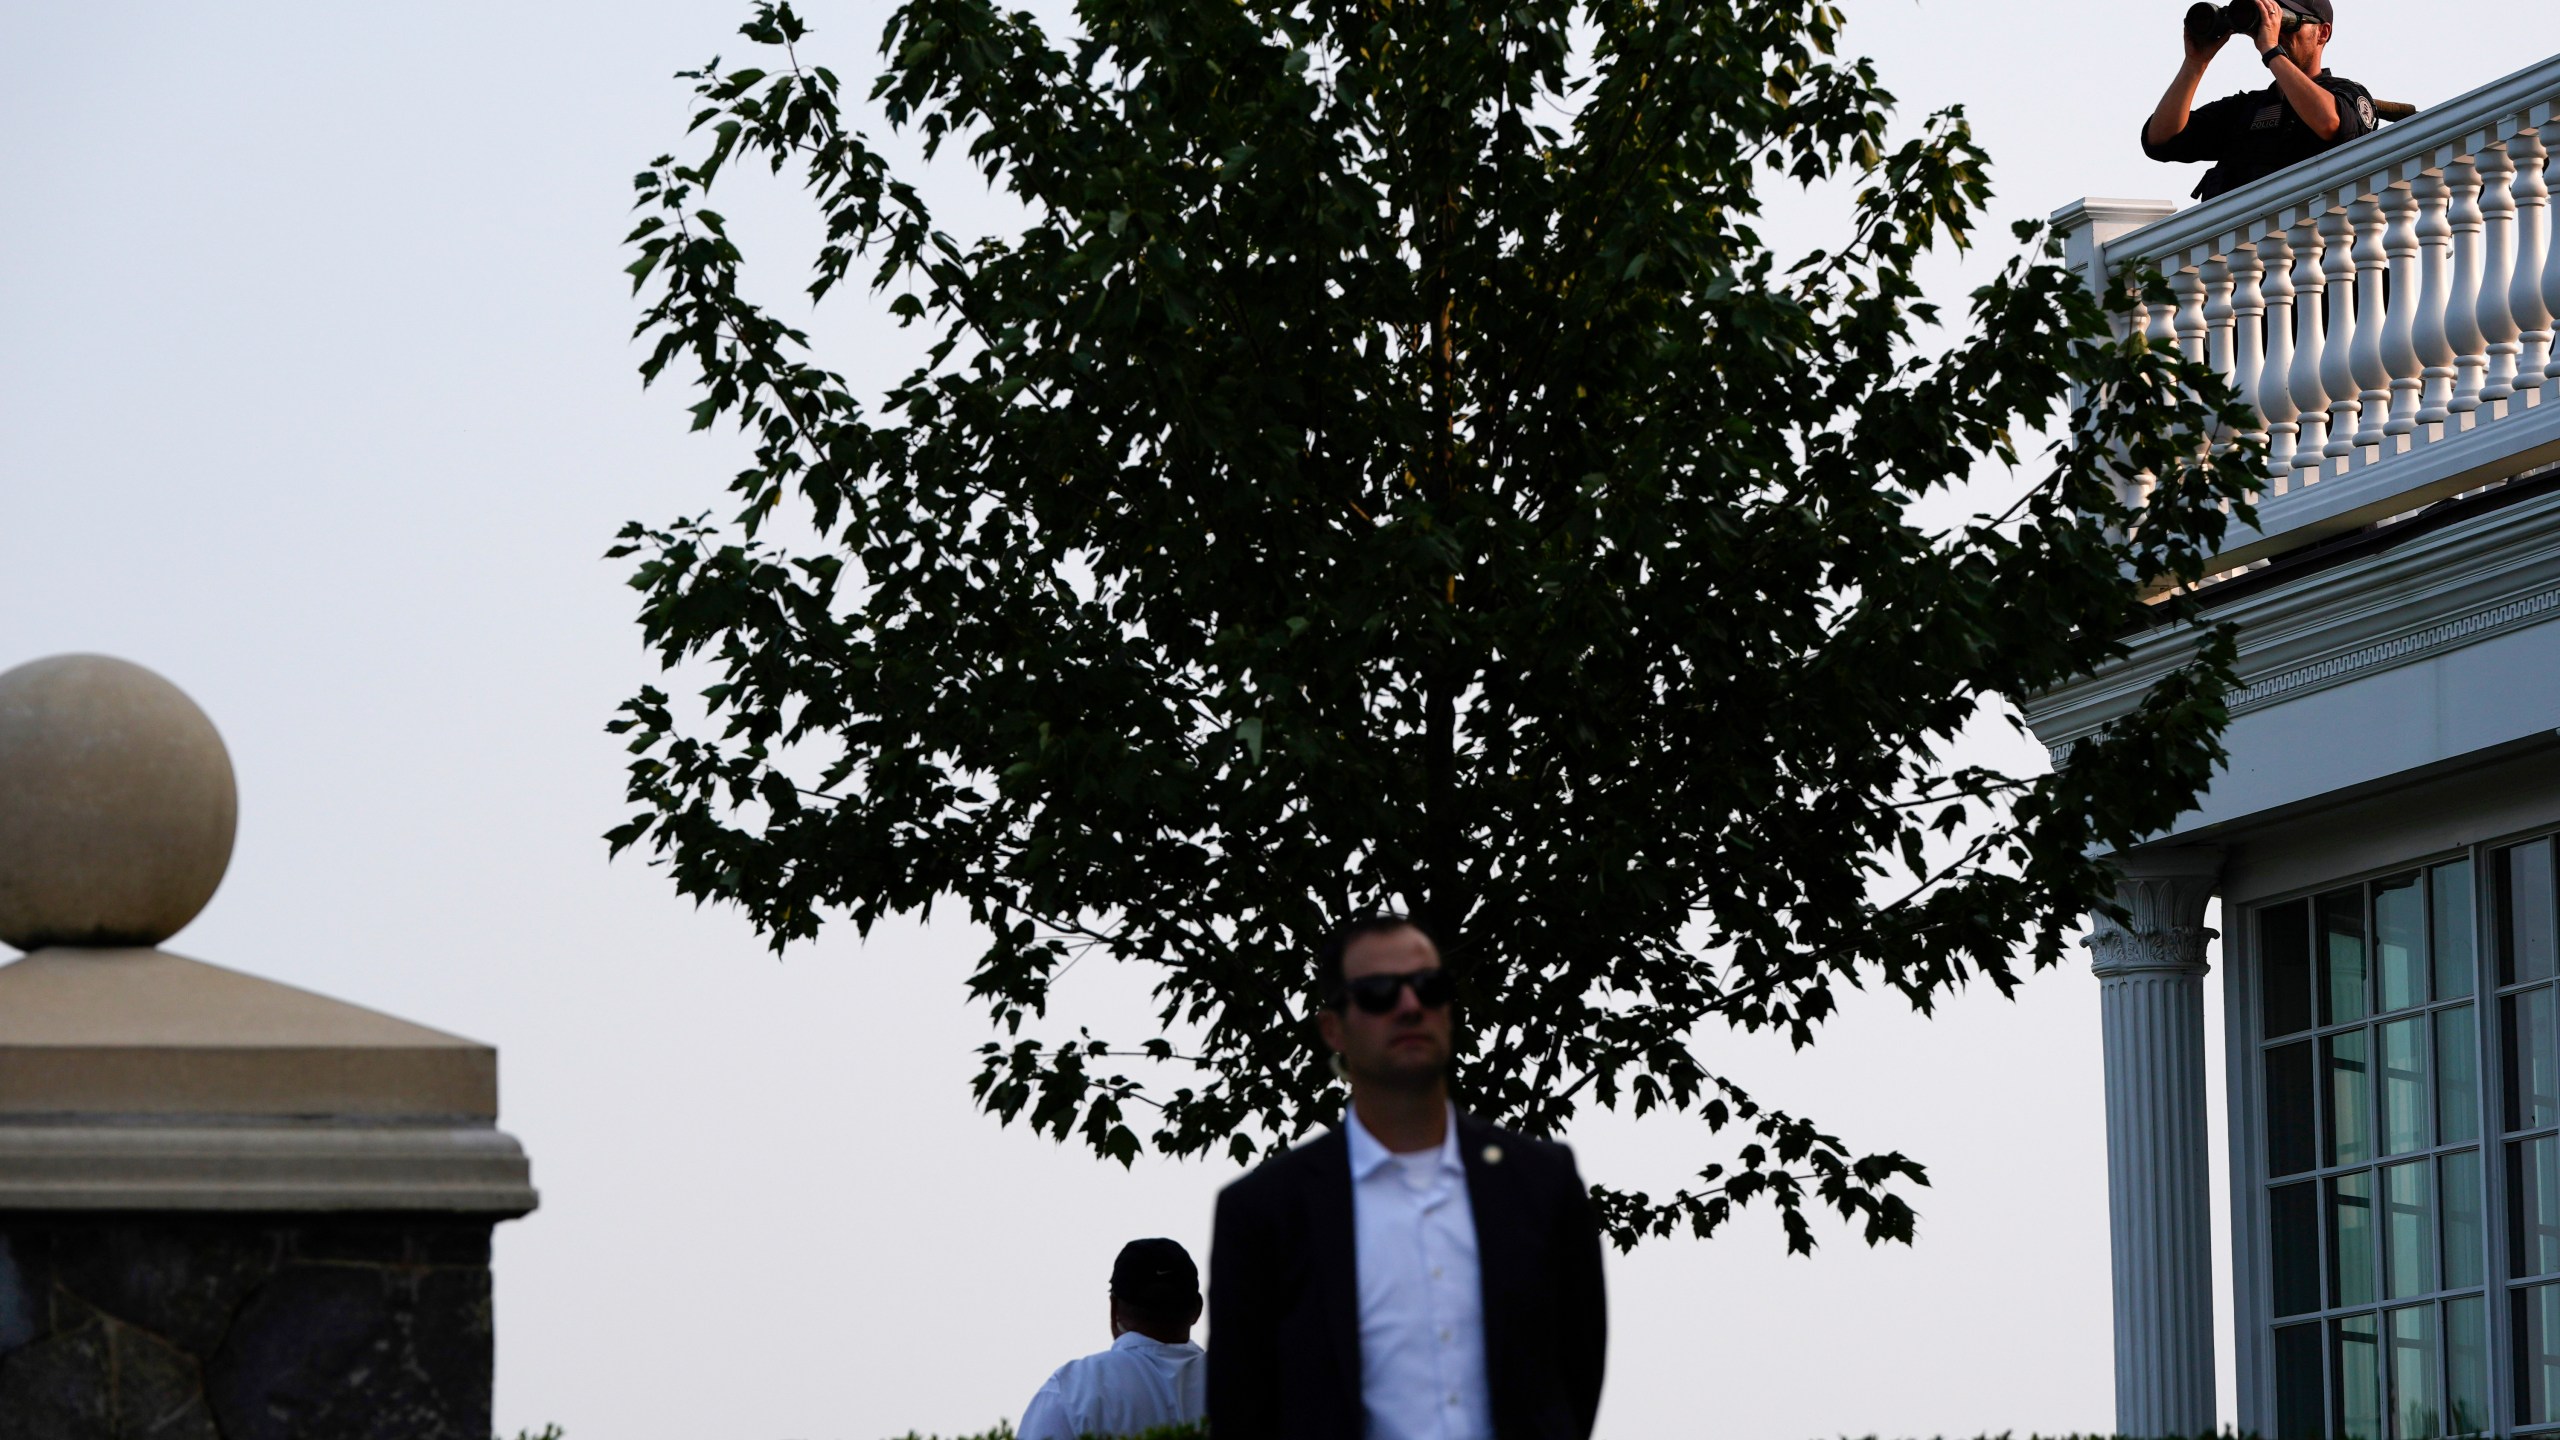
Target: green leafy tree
1386, 469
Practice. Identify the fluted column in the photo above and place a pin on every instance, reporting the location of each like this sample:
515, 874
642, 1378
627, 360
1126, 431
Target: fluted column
2151, 970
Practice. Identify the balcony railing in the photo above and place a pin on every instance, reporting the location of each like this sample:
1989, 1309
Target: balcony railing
2388, 306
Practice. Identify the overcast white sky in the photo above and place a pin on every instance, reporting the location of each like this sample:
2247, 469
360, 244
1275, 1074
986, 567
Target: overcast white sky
316, 396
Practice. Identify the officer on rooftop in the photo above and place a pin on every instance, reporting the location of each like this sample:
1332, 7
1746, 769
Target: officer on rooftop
2253, 135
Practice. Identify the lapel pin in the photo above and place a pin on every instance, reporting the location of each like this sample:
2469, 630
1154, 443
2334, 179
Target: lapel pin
1493, 1154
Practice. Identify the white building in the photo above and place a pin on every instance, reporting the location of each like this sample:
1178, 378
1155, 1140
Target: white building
2383, 841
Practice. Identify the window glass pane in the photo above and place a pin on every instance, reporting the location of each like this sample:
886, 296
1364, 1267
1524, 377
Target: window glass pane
2344, 986
2357, 1370
2459, 1198
2298, 1384
2293, 1220
2524, 913
2351, 1239
2450, 905
2284, 967
2466, 1365
2347, 1137
2400, 941
2291, 1138
2537, 1342
2415, 1412
2404, 1086
2457, 1076
2533, 1089
2409, 1231
2533, 1207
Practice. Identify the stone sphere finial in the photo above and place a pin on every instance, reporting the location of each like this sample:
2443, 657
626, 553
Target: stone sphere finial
117, 805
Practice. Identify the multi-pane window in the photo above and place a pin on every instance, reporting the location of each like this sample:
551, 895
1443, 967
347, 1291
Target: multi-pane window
2529, 1116
2379, 1249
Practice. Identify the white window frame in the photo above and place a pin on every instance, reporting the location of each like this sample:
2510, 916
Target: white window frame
2252, 1258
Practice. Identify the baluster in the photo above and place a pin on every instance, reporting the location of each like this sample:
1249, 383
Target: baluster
2462, 306
2497, 272
2134, 489
2162, 331
2337, 357
2400, 326
2246, 331
2551, 283
2275, 373
2310, 339
2435, 283
2188, 286
2217, 315
2372, 370
2533, 241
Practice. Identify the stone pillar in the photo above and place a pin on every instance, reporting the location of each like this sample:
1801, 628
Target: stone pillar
229, 1209
2151, 973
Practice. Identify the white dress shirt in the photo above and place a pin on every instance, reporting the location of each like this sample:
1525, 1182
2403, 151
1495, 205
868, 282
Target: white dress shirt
1421, 1292
1135, 1386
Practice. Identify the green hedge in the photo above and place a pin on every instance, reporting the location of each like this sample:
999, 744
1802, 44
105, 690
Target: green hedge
1004, 1431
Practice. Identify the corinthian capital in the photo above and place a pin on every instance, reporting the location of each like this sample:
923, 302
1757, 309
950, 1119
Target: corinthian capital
2164, 894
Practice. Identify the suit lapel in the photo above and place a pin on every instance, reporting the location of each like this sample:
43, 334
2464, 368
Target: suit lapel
1493, 1201
1336, 1246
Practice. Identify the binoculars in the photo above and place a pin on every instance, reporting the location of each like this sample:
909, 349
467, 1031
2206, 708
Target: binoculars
2207, 23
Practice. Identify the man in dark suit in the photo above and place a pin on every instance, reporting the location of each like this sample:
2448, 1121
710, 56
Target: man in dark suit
1416, 1272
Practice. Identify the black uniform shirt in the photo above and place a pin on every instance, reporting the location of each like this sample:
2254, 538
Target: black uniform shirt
2252, 136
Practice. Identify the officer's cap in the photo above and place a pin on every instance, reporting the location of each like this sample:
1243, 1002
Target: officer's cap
2313, 9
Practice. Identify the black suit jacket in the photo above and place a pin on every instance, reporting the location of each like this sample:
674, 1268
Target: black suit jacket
1284, 1304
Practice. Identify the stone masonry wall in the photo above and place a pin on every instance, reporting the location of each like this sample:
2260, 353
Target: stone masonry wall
210, 1327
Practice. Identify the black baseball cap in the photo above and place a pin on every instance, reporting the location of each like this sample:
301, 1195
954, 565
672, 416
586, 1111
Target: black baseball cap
1155, 1270
2315, 9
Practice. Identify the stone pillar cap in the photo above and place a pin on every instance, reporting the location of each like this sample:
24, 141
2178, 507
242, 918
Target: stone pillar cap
145, 1032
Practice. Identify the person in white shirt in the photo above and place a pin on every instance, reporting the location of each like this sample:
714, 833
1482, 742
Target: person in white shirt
1421, 1289
1152, 1375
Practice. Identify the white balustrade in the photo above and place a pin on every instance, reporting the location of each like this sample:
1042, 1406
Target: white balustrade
2551, 283
2275, 391
2248, 325
2387, 308
2337, 357
2400, 362
2188, 319
2498, 273
2462, 308
2435, 298
2310, 348
2372, 376
2532, 314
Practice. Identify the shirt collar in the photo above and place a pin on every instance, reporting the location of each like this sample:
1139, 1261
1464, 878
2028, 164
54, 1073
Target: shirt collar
1132, 1340
1367, 1154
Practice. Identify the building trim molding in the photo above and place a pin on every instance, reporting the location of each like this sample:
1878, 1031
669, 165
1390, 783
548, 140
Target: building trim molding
2479, 625
2496, 573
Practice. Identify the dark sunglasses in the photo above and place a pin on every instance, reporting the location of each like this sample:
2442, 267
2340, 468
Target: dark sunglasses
1378, 994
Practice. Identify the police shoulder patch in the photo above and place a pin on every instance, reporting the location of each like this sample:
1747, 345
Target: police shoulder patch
2364, 112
